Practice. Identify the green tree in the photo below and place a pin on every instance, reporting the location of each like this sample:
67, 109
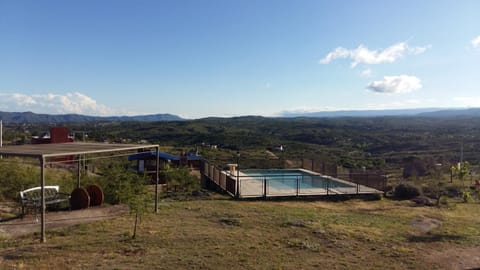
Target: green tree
461, 170
181, 177
121, 185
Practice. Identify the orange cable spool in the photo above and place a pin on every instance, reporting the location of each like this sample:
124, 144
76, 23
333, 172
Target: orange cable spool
96, 195
79, 199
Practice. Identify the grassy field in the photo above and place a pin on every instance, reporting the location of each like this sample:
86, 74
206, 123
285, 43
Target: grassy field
221, 233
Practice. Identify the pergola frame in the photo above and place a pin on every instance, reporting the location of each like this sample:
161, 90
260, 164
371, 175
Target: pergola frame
44, 152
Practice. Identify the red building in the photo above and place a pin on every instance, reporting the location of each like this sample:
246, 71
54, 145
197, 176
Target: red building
56, 135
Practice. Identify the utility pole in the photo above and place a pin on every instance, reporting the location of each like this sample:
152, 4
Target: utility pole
461, 152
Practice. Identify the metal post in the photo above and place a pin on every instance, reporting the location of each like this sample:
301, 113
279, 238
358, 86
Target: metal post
79, 170
328, 185
385, 179
367, 181
43, 239
297, 186
238, 175
157, 167
265, 186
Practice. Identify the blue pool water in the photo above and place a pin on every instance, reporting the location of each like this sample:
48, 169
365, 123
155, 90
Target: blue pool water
289, 179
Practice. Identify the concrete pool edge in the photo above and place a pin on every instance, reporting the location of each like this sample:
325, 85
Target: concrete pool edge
259, 190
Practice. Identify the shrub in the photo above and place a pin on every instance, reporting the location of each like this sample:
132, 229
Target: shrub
406, 192
181, 177
16, 176
118, 183
467, 197
454, 191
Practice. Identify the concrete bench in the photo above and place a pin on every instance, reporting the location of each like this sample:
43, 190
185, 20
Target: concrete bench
32, 197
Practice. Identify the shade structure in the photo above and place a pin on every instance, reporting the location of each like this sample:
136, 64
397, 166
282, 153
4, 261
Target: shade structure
46, 152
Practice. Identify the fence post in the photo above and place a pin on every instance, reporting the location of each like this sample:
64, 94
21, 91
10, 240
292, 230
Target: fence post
385, 179
367, 180
297, 185
328, 185
265, 187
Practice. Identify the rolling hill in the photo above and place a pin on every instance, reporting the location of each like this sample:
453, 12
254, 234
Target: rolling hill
30, 117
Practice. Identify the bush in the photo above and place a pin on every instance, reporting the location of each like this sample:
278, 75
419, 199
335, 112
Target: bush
119, 184
467, 197
16, 176
181, 177
406, 192
454, 191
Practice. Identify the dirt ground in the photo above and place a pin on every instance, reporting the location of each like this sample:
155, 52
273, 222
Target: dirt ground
31, 223
455, 258
448, 256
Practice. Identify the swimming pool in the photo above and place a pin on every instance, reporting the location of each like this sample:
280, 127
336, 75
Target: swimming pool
287, 182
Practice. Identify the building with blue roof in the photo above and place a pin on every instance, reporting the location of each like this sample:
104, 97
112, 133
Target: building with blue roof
146, 160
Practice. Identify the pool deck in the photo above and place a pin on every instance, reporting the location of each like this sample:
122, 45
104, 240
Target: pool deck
251, 187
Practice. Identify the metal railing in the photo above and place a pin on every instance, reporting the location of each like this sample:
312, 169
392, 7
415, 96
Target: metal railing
297, 185
274, 185
218, 176
372, 179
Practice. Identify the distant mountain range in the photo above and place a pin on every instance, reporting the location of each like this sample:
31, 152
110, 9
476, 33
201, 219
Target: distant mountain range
30, 117
423, 112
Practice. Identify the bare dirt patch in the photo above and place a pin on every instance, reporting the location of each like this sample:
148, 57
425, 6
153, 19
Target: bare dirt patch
31, 223
271, 154
452, 257
426, 224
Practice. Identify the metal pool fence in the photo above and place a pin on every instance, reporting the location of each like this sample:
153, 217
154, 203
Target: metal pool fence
291, 185
297, 185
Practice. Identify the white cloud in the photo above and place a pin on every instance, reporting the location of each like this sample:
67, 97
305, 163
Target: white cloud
362, 55
366, 72
476, 42
307, 109
413, 101
395, 84
467, 101
75, 102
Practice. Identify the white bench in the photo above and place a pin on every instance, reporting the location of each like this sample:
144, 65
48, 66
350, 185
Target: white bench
32, 197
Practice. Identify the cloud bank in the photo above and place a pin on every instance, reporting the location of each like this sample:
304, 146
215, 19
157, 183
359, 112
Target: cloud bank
366, 72
476, 42
362, 55
467, 101
395, 85
76, 103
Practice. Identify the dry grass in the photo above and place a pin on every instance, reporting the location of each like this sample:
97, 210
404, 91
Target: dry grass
221, 233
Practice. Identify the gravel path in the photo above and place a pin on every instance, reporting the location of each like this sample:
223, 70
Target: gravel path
29, 224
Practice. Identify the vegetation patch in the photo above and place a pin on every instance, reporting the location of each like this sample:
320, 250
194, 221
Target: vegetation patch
229, 221
220, 232
406, 192
303, 244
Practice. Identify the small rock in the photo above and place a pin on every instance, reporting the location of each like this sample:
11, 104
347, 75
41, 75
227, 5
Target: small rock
230, 221
423, 200
197, 193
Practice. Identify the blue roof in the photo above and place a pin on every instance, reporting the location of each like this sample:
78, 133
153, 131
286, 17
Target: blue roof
162, 155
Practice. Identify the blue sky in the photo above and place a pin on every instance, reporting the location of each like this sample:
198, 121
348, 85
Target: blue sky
224, 58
